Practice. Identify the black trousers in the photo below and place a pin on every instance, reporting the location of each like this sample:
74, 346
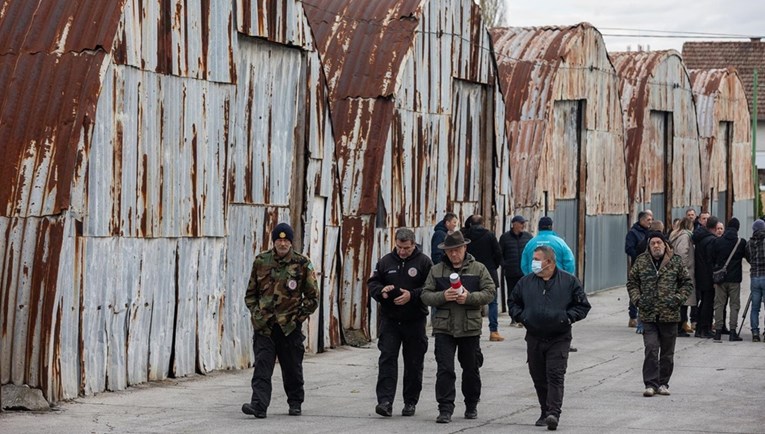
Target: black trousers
548, 360
469, 354
290, 350
510, 282
706, 308
659, 340
394, 335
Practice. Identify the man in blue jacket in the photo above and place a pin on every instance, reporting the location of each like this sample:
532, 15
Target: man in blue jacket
547, 302
446, 226
547, 237
635, 235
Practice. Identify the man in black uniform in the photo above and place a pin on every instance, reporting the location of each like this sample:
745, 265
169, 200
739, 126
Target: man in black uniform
547, 302
512, 244
397, 285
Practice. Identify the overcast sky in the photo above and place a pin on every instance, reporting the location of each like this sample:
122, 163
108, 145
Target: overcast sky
739, 17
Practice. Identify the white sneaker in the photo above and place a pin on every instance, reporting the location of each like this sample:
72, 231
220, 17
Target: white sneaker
649, 392
664, 390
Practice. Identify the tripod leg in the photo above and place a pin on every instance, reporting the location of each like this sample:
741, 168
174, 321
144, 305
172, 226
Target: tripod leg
746, 309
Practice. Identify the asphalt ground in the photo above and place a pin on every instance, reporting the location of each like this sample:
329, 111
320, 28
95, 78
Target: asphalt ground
716, 388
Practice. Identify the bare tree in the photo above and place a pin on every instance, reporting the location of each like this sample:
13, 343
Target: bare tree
493, 12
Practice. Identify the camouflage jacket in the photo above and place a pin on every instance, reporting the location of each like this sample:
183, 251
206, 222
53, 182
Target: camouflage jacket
659, 293
281, 291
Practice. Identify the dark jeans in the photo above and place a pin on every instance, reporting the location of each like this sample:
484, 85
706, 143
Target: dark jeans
659, 340
548, 360
469, 354
706, 309
289, 349
510, 282
394, 335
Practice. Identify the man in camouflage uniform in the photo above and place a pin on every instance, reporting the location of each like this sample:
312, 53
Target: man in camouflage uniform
281, 294
658, 285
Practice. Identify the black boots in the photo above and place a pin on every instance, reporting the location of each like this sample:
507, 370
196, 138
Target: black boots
734, 337
384, 409
471, 411
703, 332
718, 335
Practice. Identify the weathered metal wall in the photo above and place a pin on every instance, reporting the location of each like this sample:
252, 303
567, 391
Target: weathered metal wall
564, 125
720, 98
400, 116
130, 222
654, 83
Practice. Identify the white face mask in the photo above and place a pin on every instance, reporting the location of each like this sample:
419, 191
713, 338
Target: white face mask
536, 266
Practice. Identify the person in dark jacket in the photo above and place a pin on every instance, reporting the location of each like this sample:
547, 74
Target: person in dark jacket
396, 284
658, 285
446, 226
636, 234
547, 302
730, 289
512, 244
755, 254
485, 249
656, 226
702, 238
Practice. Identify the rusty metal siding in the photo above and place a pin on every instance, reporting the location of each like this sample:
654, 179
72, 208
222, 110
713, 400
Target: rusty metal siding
279, 21
158, 158
720, 97
537, 67
658, 81
177, 37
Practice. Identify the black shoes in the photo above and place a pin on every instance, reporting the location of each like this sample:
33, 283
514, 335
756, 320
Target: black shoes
718, 335
471, 412
408, 410
541, 421
444, 417
725, 330
249, 409
734, 337
295, 410
384, 409
703, 332
552, 422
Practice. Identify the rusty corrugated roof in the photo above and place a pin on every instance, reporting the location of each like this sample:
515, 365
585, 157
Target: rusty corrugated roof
744, 56
50, 73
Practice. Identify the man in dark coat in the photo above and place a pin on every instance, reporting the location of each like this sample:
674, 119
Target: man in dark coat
396, 284
512, 243
446, 226
703, 238
485, 249
730, 289
635, 235
547, 301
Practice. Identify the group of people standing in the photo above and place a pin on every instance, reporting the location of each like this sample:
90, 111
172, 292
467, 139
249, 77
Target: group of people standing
689, 281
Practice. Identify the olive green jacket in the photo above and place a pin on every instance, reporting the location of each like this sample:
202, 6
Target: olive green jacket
452, 318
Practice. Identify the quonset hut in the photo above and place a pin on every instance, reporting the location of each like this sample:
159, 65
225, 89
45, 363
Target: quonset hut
725, 132
565, 134
662, 136
412, 96
148, 148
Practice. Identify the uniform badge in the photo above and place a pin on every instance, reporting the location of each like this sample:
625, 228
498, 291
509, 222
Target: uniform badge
292, 285
412, 272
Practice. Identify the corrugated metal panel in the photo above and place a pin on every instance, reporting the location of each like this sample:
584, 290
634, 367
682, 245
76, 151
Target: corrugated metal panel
658, 82
158, 158
52, 56
279, 21
743, 209
177, 37
537, 67
606, 265
720, 97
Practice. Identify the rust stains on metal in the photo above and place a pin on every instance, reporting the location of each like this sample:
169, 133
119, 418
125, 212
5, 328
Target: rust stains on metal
540, 67
662, 144
724, 122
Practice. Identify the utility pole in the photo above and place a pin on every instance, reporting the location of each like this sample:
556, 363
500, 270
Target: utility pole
754, 148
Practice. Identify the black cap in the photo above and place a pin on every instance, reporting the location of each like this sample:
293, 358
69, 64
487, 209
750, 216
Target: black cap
545, 223
655, 234
282, 231
734, 223
518, 219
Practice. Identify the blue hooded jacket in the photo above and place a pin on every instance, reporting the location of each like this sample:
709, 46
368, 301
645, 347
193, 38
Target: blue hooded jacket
564, 257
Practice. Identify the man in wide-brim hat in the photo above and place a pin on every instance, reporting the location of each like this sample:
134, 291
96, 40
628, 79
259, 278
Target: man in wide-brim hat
457, 323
